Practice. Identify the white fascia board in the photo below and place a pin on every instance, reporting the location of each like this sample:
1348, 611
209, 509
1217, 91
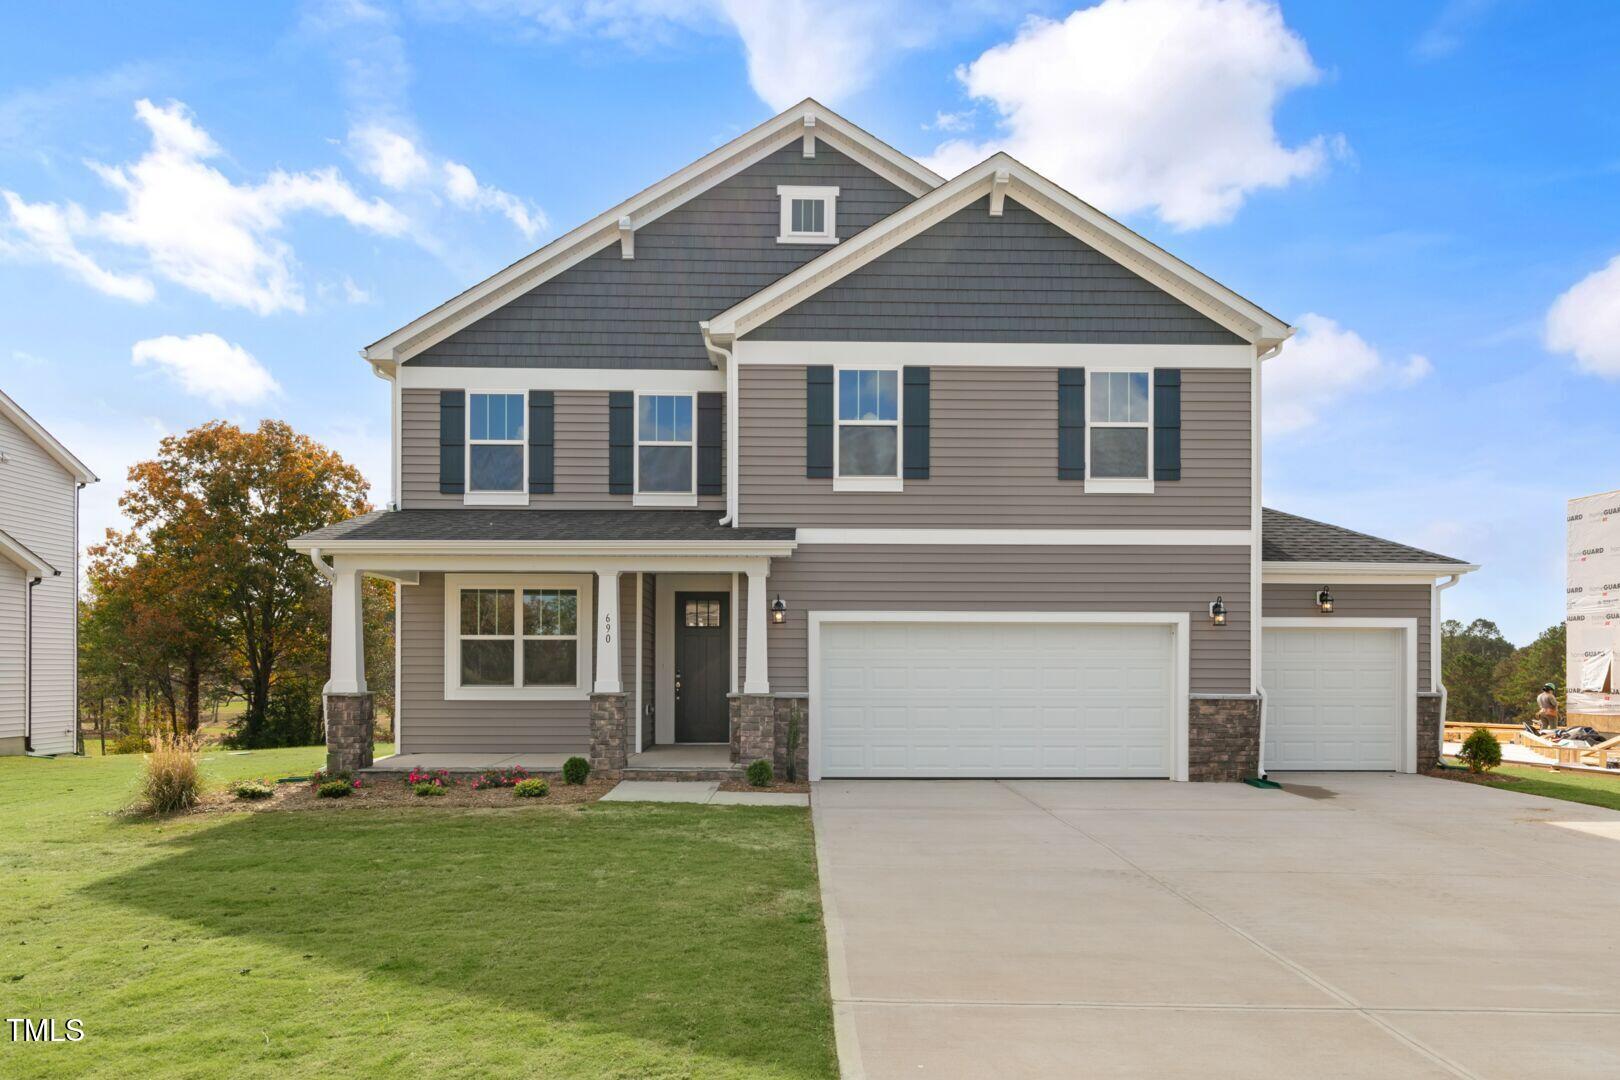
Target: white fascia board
704, 549
1238, 538
1390, 573
648, 205
647, 380
17, 552
996, 354
386, 564
1040, 195
46, 441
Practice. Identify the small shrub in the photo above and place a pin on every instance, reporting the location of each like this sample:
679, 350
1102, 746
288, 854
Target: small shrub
499, 778
760, 773
333, 789
429, 788
321, 776
533, 788
253, 790
130, 742
576, 770
1480, 751
173, 780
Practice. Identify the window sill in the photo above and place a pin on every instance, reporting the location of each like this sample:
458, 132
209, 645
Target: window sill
495, 498
663, 499
1107, 485
825, 241
868, 483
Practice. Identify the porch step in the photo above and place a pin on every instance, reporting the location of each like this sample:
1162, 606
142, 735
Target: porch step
645, 772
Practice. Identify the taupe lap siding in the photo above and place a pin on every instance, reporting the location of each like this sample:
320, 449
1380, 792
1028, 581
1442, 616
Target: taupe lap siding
994, 458
1358, 602
581, 435
977, 578
431, 724
693, 262
973, 277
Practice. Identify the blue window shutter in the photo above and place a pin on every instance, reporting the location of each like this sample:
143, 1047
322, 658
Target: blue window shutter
818, 422
915, 412
1071, 423
1167, 423
710, 444
542, 442
621, 441
452, 442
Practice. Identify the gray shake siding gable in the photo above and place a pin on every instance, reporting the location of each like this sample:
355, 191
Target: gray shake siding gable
693, 262
993, 445
974, 277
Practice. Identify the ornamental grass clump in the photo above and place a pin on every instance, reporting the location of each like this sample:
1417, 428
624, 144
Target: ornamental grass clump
173, 778
533, 788
1480, 751
576, 770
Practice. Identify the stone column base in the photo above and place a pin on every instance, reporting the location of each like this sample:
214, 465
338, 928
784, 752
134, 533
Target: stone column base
348, 732
792, 743
753, 728
610, 730
1428, 731
1223, 738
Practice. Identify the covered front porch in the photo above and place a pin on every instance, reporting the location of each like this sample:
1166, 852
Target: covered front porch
637, 639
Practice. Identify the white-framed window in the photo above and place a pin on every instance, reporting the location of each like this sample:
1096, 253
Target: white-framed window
517, 636
666, 450
809, 215
867, 446
497, 448
1119, 431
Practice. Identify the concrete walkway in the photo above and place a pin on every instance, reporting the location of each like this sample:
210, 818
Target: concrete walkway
1353, 925
694, 791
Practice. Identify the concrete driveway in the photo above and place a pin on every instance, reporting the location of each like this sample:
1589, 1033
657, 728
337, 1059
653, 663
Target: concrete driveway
1354, 925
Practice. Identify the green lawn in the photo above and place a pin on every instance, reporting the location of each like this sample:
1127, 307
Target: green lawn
614, 940
1595, 789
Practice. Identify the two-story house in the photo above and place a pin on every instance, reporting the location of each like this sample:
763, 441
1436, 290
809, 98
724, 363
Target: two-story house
39, 574
806, 446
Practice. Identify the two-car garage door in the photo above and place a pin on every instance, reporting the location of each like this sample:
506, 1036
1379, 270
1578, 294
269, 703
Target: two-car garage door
1004, 699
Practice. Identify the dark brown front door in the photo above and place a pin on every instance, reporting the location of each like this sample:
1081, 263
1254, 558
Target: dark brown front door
702, 667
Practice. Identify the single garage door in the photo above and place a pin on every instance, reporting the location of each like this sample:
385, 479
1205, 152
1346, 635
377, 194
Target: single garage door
996, 699
1334, 699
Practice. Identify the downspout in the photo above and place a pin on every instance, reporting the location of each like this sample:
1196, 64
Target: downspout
28, 665
724, 358
321, 566
1435, 682
1257, 583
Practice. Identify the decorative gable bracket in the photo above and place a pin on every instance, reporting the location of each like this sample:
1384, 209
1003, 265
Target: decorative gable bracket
627, 238
998, 191
810, 135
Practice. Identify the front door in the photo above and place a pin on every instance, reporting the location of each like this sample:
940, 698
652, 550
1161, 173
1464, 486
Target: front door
702, 667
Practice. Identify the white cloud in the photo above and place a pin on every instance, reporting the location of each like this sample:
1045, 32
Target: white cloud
396, 161
465, 191
1585, 322
1162, 105
187, 222
1445, 34
951, 121
389, 156
1320, 366
208, 366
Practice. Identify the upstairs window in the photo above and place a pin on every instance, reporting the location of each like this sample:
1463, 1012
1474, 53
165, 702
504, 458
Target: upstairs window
1118, 405
495, 446
665, 448
868, 431
808, 215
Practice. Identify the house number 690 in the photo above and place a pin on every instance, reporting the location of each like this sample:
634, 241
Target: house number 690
607, 629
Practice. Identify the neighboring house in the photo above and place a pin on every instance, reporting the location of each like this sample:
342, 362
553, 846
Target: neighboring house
39, 587
963, 475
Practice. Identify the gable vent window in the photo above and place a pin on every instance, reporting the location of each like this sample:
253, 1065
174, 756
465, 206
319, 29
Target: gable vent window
808, 215
1119, 455
495, 448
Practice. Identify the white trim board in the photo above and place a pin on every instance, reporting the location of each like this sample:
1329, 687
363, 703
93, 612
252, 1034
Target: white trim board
995, 354
1244, 318
1032, 537
648, 205
648, 380
18, 552
1178, 621
1409, 680
1367, 573
46, 441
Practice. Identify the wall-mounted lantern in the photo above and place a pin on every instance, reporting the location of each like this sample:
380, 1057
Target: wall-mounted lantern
1217, 612
778, 610
1324, 601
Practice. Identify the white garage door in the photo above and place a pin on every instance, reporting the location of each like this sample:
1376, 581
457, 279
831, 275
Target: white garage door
996, 699
1334, 699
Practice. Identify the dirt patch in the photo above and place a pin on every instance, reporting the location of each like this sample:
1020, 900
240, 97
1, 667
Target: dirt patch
395, 793
785, 788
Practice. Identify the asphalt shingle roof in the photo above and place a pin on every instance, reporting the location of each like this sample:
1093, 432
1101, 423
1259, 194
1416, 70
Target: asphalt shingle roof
473, 523
1289, 538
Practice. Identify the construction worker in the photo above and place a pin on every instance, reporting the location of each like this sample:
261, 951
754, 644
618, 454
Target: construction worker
1547, 706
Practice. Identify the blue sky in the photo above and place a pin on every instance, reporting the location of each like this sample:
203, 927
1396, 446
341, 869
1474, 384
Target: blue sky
205, 210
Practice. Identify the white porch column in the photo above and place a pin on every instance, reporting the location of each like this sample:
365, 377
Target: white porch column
348, 635
756, 678
607, 632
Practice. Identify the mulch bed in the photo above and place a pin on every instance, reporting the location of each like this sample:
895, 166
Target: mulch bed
395, 793
782, 786
1488, 779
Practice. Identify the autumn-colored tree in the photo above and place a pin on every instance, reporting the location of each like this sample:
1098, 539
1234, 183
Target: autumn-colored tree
212, 515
